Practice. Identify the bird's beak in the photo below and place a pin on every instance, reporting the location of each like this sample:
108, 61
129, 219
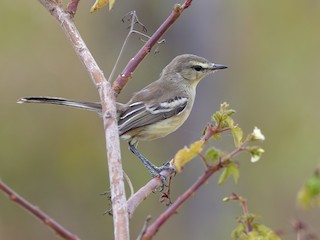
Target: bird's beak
216, 66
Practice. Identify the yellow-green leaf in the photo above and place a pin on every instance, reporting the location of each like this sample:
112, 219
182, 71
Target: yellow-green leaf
309, 195
237, 135
231, 169
212, 155
229, 121
101, 3
186, 154
223, 176
234, 170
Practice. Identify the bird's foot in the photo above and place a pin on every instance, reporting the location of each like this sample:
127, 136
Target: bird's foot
157, 173
154, 170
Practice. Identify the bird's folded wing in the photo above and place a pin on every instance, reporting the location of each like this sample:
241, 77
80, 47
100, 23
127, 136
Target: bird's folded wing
139, 114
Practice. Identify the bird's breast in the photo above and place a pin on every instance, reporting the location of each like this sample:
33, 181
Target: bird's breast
162, 128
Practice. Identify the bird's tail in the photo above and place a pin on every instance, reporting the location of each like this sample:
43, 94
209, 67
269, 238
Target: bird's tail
91, 106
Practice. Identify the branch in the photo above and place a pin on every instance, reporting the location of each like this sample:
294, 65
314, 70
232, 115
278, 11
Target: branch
107, 97
13, 196
135, 200
126, 74
243, 202
153, 228
221, 118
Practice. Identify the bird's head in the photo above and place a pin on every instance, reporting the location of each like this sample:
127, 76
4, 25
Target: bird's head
192, 68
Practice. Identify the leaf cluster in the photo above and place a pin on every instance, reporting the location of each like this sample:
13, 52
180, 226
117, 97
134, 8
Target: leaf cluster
222, 121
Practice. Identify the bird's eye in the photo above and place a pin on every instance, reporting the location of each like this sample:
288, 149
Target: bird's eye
198, 68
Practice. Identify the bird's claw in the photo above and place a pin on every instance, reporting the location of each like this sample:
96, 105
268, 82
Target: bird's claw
163, 178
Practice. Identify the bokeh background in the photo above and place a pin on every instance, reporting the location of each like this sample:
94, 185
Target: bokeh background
55, 157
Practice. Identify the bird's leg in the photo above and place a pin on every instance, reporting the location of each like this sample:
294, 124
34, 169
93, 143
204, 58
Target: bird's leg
145, 161
153, 169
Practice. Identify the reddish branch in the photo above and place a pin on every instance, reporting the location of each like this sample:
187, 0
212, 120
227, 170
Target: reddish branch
244, 206
154, 183
126, 74
38, 213
154, 227
222, 162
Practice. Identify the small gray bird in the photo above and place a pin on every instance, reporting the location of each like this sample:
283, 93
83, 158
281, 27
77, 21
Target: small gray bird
156, 110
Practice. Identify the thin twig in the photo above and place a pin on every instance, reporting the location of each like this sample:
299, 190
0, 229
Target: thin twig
132, 23
126, 74
244, 206
60, 230
130, 185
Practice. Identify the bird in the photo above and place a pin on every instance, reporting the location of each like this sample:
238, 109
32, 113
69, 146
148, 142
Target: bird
155, 111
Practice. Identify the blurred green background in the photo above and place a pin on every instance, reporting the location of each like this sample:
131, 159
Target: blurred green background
55, 157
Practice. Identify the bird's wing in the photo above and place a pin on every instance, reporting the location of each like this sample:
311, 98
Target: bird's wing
138, 114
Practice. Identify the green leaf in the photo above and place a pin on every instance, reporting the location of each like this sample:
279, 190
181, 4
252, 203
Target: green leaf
231, 169
213, 154
101, 3
313, 185
234, 170
229, 112
309, 195
223, 176
229, 121
258, 232
237, 135
217, 136
216, 117
238, 232
222, 116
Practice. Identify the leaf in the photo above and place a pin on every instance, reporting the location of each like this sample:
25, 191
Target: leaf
213, 154
313, 186
309, 195
231, 169
229, 122
183, 156
101, 3
217, 136
223, 113
258, 232
237, 135
223, 176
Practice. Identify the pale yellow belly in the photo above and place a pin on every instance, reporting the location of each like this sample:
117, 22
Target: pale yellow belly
158, 130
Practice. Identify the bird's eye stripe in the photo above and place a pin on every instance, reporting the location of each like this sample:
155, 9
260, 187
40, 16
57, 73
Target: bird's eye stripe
198, 68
